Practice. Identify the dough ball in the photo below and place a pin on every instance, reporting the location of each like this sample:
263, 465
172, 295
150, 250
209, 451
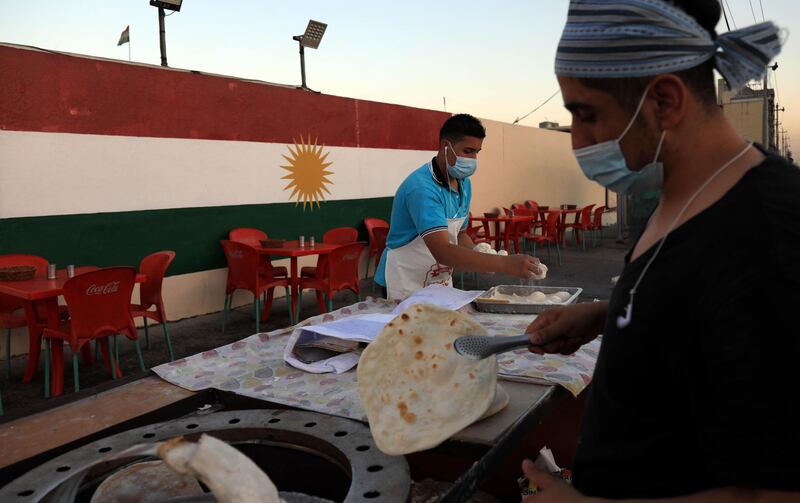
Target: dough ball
543, 272
538, 297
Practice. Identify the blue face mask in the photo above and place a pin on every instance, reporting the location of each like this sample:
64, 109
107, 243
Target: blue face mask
605, 164
463, 168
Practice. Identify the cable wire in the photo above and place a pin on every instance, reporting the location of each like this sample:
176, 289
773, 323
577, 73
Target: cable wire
725, 14
731, 13
537, 108
752, 11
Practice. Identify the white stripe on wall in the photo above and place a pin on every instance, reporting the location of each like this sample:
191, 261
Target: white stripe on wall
61, 174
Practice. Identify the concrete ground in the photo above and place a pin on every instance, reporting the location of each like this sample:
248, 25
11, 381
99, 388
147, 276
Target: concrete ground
591, 270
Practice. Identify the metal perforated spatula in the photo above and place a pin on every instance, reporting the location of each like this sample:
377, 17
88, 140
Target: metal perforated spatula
478, 347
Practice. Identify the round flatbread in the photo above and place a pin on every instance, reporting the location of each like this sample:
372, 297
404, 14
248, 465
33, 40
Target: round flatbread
499, 403
148, 481
417, 391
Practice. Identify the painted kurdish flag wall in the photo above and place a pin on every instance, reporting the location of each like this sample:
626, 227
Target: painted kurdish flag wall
103, 162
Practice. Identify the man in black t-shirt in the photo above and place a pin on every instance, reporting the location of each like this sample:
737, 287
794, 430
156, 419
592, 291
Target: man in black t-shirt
693, 396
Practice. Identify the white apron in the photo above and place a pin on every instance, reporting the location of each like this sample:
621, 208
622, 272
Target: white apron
412, 267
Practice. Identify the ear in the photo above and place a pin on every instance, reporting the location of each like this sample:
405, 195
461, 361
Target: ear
672, 99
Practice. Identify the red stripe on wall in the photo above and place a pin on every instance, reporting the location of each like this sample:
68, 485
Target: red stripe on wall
48, 92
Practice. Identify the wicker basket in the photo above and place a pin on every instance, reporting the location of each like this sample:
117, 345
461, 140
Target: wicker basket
17, 273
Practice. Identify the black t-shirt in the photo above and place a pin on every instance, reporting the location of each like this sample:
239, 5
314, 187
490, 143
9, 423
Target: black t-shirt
701, 389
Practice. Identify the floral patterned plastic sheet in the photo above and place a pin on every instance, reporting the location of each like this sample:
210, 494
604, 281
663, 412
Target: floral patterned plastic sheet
254, 366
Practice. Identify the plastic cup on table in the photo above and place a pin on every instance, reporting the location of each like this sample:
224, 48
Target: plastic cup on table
70, 271
301, 241
51, 271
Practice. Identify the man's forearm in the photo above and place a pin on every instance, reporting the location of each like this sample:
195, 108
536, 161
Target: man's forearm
465, 241
467, 259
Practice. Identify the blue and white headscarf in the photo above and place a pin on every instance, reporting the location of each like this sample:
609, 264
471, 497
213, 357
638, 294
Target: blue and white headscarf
640, 38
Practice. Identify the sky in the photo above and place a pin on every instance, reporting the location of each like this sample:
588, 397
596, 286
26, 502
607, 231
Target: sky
491, 59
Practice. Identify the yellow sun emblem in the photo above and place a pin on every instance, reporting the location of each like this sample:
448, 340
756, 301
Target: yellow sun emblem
307, 172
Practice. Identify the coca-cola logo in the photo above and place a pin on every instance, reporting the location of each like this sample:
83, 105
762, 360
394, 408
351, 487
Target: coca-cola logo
111, 287
237, 254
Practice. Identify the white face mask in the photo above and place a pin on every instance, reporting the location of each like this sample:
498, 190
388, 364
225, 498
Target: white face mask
464, 166
605, 164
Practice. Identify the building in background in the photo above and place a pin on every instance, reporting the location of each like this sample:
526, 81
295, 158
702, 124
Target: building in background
745, 110
553, 126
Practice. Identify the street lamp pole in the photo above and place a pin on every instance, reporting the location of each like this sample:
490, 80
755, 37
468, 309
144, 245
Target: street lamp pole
162, 36
173, 5
299, 39
311, 38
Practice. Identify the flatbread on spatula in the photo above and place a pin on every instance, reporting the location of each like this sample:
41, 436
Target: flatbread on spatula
417, 391
499, 403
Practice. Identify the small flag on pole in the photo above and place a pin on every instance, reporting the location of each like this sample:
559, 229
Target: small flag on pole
124, 37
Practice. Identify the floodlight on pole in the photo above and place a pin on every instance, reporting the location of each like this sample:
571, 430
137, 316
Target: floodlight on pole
311, 39
173, 5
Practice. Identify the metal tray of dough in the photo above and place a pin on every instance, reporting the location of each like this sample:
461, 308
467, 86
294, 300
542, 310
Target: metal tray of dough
485, 304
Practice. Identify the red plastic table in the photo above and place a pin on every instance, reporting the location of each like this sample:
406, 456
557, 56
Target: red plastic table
292, 249
509, 227
41, 295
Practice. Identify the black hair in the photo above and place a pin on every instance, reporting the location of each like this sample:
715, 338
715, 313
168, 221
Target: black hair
460, 125
699, 79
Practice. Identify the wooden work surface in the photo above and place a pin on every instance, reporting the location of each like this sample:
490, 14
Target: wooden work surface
32, 435
29, 436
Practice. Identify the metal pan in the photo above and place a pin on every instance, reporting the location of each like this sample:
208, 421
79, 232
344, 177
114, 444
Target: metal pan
487, 305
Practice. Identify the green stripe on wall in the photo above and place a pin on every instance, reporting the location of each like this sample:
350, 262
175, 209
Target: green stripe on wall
123, 238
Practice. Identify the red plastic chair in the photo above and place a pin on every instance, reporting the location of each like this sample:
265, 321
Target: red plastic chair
244, 274
253, 237
341, 273
550, 236
99, 307
583, 223
487, 227
371, 224
335, 236
518, 230
475, 232
380, 233
517, 206
154, 266
597, 224
538, 223
10, 307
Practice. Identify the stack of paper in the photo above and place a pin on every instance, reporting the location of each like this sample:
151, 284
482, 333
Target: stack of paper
335, 346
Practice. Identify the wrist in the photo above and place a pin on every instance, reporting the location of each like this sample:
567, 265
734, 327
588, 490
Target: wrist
601, 312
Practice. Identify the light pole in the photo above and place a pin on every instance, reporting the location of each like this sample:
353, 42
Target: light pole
173, 5
311, 39
765, 124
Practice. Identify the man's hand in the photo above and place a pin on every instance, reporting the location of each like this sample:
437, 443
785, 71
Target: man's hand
521, 266
551, 489
565, 329
467, 259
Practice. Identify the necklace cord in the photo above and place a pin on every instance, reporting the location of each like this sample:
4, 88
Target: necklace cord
725, 166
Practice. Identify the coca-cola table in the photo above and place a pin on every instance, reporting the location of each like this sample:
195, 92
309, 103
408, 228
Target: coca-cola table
40, 295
